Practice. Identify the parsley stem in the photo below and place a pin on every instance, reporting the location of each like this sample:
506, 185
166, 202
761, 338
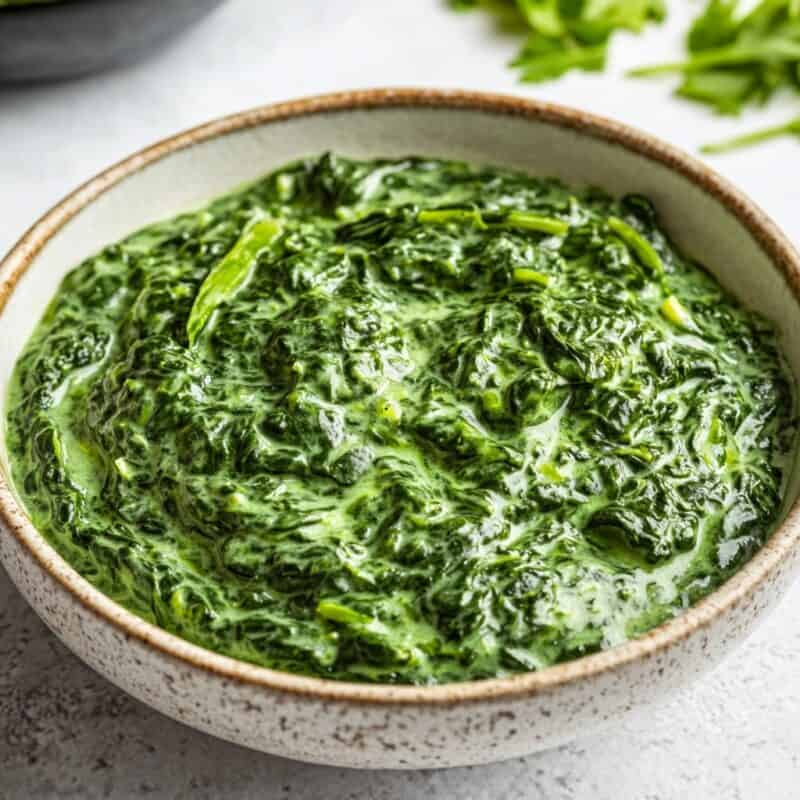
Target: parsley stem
756, 137
773, 51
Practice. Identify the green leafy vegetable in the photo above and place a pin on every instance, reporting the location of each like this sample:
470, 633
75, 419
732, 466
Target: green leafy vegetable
523, 275
567, 34
715, 27
673, 310
737, 59
462, 423
445, 216
339, 613
641, 248
228, 276
536, 222
523, 220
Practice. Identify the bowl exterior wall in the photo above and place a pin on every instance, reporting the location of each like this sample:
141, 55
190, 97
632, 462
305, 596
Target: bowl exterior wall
378, 736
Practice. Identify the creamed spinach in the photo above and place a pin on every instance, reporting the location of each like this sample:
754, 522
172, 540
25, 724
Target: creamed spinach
407, 421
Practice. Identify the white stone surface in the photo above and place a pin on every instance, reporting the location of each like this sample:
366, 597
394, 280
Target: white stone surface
65, 732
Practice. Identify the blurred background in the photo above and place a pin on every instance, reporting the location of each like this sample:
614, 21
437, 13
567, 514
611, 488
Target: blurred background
65, 732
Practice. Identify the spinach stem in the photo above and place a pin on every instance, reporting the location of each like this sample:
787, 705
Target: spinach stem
228, 275
638, 245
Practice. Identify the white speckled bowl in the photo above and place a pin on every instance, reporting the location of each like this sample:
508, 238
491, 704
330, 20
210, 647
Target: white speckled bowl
389, 726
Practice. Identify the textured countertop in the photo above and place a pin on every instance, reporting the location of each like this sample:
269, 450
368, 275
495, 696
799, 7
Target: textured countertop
66, 732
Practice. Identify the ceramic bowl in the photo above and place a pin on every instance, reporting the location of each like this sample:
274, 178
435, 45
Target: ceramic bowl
68, 38
364, 725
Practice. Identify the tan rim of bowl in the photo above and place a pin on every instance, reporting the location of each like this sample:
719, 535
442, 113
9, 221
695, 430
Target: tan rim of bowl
758, 569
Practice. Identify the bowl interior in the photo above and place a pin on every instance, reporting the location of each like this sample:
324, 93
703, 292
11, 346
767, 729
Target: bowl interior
698, 222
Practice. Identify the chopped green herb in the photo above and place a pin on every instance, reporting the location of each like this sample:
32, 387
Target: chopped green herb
739, 58
564, 35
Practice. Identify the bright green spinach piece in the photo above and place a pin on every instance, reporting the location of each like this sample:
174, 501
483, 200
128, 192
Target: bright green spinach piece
227, 277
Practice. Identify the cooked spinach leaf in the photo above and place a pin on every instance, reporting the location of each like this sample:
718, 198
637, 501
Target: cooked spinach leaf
228, 276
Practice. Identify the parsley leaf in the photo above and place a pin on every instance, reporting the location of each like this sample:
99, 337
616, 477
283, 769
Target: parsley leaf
566, 34
738, 59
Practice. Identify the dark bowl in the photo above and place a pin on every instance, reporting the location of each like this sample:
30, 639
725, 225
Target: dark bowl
74, 37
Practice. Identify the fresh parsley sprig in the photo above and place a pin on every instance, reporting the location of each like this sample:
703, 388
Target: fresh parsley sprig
738, 59
563, 35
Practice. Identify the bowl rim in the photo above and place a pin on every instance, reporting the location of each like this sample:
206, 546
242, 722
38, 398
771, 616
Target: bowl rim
764, 563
